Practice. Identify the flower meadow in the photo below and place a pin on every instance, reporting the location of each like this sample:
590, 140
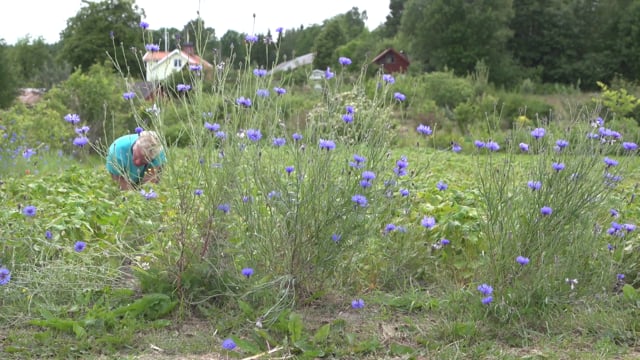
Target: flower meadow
257, 219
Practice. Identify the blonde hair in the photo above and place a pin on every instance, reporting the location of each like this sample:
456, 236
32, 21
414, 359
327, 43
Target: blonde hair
149, 143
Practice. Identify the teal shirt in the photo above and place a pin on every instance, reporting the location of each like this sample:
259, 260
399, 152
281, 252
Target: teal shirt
120, 159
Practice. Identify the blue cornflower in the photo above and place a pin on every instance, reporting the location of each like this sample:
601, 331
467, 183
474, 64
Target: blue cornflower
328, 74
534, 185
29, 211
336, 237
80, 141
399, 96
279, 142
152, 47
365, 183
148, 195
404, 192
389, 228
557, 166
424, 129
251, 39
368, 175
247, 199
349, 109
5, 276
344, 61
428, 221
545, 210
360, 200
128, 95
279, 30
279, 90
456, 148
485, 289
225, 208
296, 137
620, 276
247, 272
327, 145
138, 130
195, 68
388, 79
48, 235
27, 153
198, 192
183, 87
246, 102
610, 162
82, 130
144, 25
289, 169
493, 146
479, 144
522, 260
442, 186
444, 242
487, 300
357, 304
614, 212
220, 135
524, 147
630, 146
538, 133
228, 344
72, 118
254, 135
79, 246
262, 93
347, 118
562, 143
212, 127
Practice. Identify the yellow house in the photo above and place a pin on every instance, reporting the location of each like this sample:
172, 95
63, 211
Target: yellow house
161, 64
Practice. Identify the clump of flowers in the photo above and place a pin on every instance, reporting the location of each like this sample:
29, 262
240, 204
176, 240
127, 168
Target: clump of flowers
486, 290
5, 276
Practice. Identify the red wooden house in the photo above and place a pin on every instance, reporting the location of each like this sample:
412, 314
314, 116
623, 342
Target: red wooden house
392, 61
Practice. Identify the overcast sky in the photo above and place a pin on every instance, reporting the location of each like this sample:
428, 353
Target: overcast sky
47, 18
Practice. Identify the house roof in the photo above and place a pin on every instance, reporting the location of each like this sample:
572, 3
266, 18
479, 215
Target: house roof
305, 59
162, 56
388, 50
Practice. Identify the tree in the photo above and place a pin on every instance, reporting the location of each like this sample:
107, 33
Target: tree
326, 43
9, 87
203, 38
35, 64
232, 48
392, 23
109, 26
353, 23
456, 34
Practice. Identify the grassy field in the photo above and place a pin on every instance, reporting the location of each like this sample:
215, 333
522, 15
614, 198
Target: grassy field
428, 316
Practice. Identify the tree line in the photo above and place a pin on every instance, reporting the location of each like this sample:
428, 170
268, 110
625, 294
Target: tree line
576, 42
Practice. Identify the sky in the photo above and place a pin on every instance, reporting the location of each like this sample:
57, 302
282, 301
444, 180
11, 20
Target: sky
47, 18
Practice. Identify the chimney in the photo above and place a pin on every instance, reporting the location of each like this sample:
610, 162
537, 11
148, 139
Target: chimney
188, 48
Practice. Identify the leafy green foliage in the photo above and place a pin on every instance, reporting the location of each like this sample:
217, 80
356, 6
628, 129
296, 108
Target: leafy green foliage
86, 38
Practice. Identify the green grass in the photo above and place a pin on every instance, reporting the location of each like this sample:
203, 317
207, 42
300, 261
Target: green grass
421, 321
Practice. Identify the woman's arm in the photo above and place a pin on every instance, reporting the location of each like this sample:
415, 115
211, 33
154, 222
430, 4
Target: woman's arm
122, 182
152, 175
